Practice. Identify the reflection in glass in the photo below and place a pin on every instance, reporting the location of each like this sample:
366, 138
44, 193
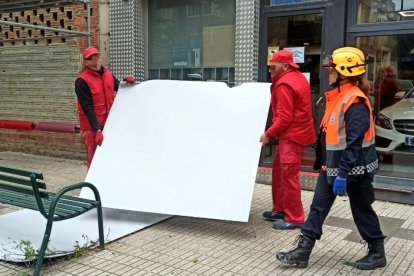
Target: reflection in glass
301, 34
287, 2
391, 75
191, 39
297, 31
371, 11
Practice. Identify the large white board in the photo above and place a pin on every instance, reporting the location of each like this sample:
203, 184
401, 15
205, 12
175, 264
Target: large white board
182, 148
29, 226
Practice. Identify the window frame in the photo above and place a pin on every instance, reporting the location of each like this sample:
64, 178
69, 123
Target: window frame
377, 28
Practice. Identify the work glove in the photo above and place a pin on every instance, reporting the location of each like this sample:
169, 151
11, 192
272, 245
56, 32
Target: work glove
129, 79
339, 186
99, 138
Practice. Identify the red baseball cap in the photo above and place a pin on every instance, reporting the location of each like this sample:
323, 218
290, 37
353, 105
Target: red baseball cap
283, 56
88, 52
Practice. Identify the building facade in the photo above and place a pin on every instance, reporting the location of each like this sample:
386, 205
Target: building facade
231, 40
38, 67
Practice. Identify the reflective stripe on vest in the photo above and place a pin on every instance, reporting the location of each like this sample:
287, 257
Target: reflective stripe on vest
355, 170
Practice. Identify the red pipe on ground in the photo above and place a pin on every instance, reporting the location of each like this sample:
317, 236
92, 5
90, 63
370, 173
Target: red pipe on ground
13, 124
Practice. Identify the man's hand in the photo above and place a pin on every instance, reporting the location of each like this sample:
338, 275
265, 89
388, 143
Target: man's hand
99, 137
339, 186
129, 79
264, 139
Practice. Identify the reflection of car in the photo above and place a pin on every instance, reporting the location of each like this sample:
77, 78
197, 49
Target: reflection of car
405, 86
394, 126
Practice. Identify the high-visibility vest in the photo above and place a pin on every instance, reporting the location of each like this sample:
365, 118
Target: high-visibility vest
333, 124
102, 91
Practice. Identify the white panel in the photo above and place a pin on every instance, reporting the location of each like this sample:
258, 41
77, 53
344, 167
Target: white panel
182, 148
28, 225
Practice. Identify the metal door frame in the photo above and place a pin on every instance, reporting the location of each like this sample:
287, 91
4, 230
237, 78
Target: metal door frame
333, 22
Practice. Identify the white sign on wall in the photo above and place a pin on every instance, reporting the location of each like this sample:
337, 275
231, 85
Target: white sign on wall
298, 54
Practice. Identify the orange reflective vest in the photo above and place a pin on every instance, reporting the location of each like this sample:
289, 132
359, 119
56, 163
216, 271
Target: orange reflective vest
333, 124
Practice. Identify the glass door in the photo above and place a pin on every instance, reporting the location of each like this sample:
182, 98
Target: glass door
391, 75
301, 34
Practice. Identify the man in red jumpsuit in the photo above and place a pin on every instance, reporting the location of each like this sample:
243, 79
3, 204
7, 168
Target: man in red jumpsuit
292, 125
94, 89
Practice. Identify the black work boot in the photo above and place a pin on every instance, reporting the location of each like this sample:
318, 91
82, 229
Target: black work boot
300, 255
375, 257
273, 215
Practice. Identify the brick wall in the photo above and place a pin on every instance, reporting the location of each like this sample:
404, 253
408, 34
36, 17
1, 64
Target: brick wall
63, 145
37, 73
69, 17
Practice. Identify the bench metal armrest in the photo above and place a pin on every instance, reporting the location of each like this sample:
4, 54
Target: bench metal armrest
37, 195
63, 191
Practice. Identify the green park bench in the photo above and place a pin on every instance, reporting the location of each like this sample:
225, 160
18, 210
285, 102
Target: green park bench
27, 190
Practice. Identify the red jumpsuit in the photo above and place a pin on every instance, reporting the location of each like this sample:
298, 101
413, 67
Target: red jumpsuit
293, 126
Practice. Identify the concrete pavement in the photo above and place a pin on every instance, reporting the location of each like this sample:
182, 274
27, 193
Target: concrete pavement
193, 246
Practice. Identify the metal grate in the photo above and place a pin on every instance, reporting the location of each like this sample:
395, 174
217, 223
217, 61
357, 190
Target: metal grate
20, 5
47, 22
404, 126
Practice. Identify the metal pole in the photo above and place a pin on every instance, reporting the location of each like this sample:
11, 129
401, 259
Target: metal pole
30, 26
88, 20
37, 38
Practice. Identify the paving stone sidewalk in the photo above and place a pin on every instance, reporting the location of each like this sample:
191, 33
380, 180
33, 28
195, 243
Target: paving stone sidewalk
193, 246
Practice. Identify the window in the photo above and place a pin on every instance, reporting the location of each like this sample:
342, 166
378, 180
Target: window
372, 11
287, 2
391, 75
207, 8
192, 39
193, 10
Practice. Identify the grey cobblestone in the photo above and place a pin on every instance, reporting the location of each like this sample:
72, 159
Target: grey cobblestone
194, 246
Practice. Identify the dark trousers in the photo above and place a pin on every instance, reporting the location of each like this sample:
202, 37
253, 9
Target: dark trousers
361, 196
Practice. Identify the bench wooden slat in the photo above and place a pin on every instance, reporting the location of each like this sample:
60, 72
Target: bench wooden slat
79, 199
73, 206
8, 187
72, 215
20, 172
64, 212
19, 200
25, 201
29, 202
18, 180
27, 195
73, 202
81, 202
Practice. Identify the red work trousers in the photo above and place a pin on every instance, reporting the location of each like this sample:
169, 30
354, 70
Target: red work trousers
286, 190
89, 141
